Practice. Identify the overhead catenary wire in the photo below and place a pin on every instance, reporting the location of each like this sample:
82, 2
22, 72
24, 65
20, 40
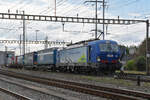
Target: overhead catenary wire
129, 2
67, 11
51, 9
73, 10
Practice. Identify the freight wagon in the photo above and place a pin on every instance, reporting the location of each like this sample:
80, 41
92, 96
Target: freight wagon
46, 58
30, 60
19, 60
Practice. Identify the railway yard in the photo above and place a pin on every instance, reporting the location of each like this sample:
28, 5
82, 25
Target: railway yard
40, 85
74, 50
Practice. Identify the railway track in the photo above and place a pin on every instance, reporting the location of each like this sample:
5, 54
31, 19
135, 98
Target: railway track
16, 95
133, 77
105, 92
37, 89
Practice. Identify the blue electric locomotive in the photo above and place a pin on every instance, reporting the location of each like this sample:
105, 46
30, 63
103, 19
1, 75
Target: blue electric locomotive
105, 54
92, 56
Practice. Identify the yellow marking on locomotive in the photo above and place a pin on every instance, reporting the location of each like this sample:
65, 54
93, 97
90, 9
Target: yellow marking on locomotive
82, 59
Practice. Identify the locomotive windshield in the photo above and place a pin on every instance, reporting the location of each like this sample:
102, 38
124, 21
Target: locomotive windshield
107, 47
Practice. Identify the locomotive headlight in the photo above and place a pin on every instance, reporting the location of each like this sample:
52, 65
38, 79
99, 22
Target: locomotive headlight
98, 59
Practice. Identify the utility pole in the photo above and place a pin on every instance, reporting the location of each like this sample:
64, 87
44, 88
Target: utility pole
55, 7
24, 27
103, 19
5, 57
96, 16
46, 42
36, 33
96, 20
147, 36
20, 44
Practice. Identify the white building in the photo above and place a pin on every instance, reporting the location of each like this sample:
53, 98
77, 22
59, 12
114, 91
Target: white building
132, 50
6, 57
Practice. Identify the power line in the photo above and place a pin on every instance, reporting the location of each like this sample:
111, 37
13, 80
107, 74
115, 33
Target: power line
51, 8
125, 4
96, 4
20, 2
67, 11
48, 8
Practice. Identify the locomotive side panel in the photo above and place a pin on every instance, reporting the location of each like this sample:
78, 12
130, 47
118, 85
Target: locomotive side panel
20, 60
73, 55
46, 57
16, 57
29, 59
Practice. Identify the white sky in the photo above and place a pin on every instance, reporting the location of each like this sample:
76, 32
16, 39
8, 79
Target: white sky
127, 35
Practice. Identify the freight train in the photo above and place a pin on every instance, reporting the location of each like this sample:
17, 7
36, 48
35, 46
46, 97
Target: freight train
92, 56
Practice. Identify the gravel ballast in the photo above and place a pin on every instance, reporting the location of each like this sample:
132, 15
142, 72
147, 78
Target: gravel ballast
67, 93
94, 80
100, 81
25, 92
4, 96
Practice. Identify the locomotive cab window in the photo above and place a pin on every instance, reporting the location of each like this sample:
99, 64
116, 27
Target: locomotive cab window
108, 47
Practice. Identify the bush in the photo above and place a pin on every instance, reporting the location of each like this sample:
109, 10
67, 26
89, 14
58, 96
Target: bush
138, 64
130, 65
141, 63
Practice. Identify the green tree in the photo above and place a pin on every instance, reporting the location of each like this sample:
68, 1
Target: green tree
142, 48
141, 63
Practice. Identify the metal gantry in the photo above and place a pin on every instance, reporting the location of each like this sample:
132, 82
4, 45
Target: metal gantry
67, 19
34, 42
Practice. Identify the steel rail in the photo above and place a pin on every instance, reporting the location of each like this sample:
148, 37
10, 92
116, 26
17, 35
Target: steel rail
38, 89
133, 79
16, 95
103, 94
115, 90
84, 88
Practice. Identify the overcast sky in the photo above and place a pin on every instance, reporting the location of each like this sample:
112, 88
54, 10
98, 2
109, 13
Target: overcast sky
125, 34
